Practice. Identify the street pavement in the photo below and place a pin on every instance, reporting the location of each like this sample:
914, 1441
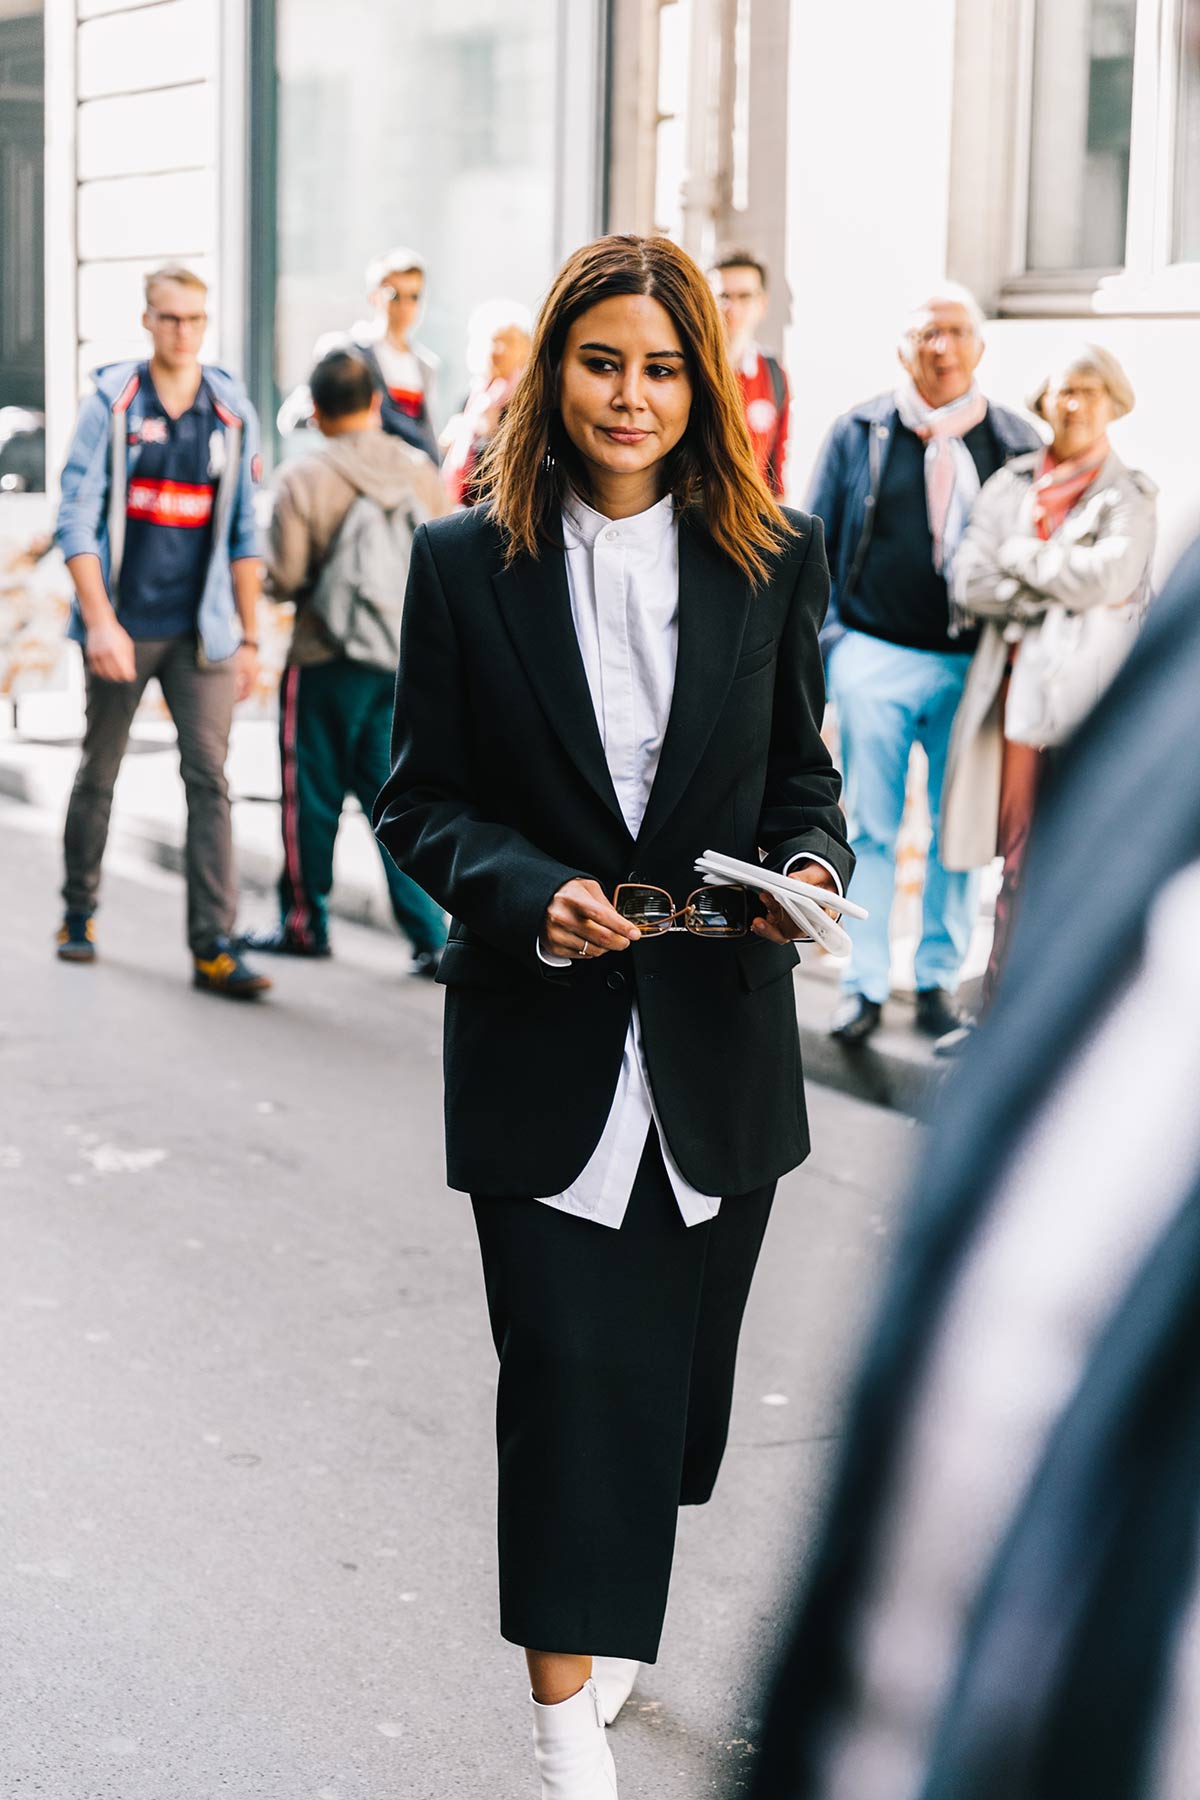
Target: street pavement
246, 1514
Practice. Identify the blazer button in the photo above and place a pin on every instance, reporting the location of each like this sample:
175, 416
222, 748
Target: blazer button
615, 980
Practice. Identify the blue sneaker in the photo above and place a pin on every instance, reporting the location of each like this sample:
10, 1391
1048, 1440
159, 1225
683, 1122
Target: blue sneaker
77, 938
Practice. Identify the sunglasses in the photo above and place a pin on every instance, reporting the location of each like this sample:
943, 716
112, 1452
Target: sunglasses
710, 912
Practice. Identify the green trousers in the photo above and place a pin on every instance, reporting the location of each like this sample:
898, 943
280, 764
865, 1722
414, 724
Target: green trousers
334, 734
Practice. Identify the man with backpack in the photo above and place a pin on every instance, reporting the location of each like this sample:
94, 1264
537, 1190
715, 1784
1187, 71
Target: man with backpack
340, 538
739, 281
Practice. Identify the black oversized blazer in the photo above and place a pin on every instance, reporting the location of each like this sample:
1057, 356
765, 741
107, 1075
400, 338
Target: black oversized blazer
500, 793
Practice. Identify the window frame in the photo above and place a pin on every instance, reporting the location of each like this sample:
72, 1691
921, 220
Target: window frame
581, 158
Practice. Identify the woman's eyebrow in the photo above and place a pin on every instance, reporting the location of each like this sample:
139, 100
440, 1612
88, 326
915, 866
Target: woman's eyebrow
651, 355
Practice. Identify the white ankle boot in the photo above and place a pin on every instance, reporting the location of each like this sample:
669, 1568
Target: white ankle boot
614, 1677
572, 1752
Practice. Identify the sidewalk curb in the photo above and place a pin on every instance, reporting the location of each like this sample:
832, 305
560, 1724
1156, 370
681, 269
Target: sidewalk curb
895, 1070
358, 903
16, 785
904, 1081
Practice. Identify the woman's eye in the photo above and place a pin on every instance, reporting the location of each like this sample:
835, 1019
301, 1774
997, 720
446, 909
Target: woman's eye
659, 370
601, 365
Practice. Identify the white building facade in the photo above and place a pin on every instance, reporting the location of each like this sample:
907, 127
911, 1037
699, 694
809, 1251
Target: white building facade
1047, 152
1044, 152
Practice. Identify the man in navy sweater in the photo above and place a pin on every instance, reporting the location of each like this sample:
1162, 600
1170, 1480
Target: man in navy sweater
158, 532
894, 485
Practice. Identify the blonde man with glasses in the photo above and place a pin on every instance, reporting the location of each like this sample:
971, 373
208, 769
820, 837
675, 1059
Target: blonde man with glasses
157, 528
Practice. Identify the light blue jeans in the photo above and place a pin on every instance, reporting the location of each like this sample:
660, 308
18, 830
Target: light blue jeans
887, 699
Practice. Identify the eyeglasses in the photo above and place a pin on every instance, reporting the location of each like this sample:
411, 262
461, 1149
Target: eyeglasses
411, 295
953, 334
181, 321
711, 912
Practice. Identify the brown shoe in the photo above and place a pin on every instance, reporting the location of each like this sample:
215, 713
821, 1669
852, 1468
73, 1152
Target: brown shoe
222, 971
77, 938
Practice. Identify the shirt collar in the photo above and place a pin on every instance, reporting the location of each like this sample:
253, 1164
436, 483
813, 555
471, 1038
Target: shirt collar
584, 524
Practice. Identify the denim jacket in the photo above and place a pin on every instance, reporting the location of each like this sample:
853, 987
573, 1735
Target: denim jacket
91, 513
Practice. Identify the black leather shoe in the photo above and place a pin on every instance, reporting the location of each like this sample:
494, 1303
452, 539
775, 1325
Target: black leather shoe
855, 1019
278, 941
936, 1014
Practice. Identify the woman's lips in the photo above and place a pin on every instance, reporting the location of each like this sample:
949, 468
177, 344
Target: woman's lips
620, 435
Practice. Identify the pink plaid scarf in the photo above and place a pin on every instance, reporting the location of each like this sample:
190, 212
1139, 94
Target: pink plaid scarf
951, 478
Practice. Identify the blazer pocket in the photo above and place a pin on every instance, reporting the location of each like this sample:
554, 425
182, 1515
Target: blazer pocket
754, 660
479, 966
760, 964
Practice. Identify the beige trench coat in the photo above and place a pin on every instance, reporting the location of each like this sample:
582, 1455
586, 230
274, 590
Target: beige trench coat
1003, 577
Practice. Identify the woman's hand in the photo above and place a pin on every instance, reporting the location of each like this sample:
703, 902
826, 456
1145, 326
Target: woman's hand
580, 922
777, 927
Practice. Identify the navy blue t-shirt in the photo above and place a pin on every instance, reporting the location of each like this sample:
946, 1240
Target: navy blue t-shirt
168, 514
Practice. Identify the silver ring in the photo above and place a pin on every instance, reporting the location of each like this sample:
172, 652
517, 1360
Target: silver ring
586, 948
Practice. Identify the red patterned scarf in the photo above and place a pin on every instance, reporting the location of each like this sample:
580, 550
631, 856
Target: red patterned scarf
1059, 486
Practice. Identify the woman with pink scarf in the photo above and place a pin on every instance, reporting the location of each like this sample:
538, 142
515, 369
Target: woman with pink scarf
498, 340
1055, 566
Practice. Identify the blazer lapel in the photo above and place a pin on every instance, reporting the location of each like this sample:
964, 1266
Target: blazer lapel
536, 604
714, 597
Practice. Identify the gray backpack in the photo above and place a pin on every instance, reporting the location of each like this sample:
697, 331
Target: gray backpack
359, 594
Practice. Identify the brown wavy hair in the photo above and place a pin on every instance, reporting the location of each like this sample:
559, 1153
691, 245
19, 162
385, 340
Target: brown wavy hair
531, 462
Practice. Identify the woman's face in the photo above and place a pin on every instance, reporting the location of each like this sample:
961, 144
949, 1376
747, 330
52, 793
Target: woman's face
1080, 408
624, 390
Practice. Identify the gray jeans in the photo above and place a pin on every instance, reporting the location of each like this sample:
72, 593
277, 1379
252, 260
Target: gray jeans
200, 701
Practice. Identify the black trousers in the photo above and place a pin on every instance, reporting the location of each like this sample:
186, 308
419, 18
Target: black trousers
617, 1353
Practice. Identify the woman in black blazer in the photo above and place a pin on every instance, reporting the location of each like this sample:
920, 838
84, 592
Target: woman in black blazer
608, 668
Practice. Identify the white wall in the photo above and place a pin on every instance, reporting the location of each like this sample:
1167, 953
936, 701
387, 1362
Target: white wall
868, 148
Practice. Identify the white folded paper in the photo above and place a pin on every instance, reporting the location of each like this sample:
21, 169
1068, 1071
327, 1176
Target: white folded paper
804, 904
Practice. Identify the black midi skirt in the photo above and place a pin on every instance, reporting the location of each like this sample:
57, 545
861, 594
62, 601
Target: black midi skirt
617, 1353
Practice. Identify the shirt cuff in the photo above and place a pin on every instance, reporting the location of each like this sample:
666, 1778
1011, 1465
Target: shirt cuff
560, 962
805, 856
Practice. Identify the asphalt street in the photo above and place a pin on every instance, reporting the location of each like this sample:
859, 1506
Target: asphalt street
247, 1506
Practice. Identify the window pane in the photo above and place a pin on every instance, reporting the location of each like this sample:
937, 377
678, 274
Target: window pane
1187, 144
22, 296
1082, 108
427, 126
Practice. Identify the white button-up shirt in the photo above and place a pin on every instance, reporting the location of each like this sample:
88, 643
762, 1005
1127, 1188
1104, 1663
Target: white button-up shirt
623, 577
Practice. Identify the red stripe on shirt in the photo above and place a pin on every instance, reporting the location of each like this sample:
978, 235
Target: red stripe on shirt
409, 400
183, 503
